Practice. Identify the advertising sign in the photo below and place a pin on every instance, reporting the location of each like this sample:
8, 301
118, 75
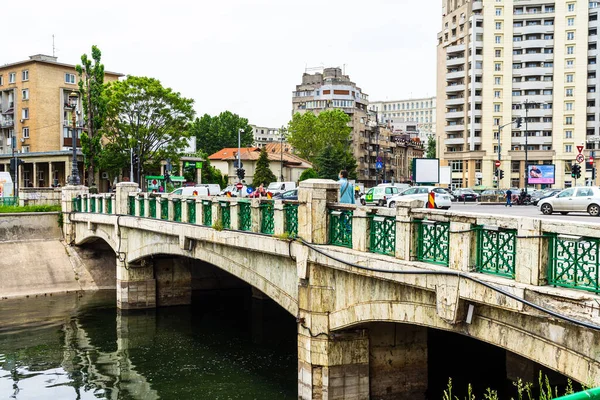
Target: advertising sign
543, 174
426, 170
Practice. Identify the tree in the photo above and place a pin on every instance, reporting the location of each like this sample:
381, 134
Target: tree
331, 161
147, 117
309, 134
91, 89
263, 173
215, 133
113, 159
431, 147
309, 173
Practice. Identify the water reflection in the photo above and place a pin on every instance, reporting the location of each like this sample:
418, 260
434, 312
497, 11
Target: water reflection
72, 347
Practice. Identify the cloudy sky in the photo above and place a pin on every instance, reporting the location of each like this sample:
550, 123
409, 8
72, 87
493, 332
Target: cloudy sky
240, 55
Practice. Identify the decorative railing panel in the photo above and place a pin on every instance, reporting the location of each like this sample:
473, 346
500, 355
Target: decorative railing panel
340, 228
131, 205
433, 242
574, 262
141, 206
177, 210
164, 209
191, 211
109, 207
225, 214
267, 220
76, 204
93, 204
290, 211
152, 207
245, 215
496, 251
206, 212
382, 235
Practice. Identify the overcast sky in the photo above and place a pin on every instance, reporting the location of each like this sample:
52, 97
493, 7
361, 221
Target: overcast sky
245, 56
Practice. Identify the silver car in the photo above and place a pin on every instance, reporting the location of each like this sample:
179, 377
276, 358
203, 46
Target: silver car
578, 199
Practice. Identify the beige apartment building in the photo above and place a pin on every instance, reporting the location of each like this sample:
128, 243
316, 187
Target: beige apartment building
416, 117
35, 115
504, 59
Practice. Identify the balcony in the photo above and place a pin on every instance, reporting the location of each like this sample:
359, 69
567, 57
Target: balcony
533, 85
455, 88
593, 53
455, 49
591, 110
477, 5
454, 128
455, 114
531, 140
592, 124
536, 57
535, 43
454, 141
7, 123
455, 102
477, 113
455, 61
455, 75
525, 30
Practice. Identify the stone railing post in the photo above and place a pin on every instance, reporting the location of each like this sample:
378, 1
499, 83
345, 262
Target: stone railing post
199, 212
234, 210
255, 214
68, 193
146, 205
278, 218
184, 210
360, 229
122, 196
171, 209
531, 253
463, 245
406, 238
216, 211
313, 196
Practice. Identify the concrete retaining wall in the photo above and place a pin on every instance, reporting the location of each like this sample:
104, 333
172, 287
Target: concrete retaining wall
34, 260
39, 196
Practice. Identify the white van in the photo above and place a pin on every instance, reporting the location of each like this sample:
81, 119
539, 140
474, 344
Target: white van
6, 185
191, 191
280, 187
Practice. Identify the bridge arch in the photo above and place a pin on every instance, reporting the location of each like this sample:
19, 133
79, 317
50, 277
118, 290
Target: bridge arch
84, 236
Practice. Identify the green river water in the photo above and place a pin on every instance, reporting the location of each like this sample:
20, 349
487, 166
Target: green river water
80, 347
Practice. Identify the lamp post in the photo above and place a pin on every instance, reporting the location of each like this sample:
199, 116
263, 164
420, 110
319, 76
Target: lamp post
73, 97
281, 153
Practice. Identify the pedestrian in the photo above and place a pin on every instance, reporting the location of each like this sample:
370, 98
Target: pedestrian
508, 198
346, 192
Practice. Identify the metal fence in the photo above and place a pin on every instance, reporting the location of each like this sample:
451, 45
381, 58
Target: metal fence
225, 214
290, 211
206, 212
574, 262
496, 251
340, 227
267, 220
433, 242
382, 234
245, 216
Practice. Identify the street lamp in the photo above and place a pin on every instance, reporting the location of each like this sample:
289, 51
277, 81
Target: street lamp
73, 97
281, 153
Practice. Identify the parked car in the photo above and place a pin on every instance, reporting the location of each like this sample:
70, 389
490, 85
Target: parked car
578, 199
492, 196
280, 187
232, 191
536, 197
465, 195
289, 195
379, 195
191, 191
442, 197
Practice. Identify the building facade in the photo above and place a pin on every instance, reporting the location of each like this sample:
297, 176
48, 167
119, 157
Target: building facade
36, 117
264, 136
508, 59
415, 117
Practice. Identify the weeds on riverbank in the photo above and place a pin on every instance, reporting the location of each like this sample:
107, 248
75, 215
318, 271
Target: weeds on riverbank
524, 391
23, 209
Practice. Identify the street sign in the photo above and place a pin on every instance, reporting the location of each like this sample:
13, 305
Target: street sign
579, 149
593, 138
580, 158
379, 165
239, 185
235, 164
479, 175
497, 163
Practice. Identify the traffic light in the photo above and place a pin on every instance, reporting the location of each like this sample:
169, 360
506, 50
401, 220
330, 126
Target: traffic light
519, 121
242, 173
501, 174
14, 162
591, 160
575, 171
134, 158
496, 172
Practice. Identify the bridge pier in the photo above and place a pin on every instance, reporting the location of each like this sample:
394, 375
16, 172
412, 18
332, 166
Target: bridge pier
136, 286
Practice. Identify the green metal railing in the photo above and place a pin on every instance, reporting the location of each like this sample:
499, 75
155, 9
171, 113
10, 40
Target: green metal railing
496, 251
382, 235
152, 207
101, 205
340, 228
574, 262
84, 201
177, 210
109, 207
245, 216
290, 211
92, 204
76, 204
225, 214
164, 208
206, 212
141, 206
433, 242
267, 217
191, 211
589, 394
9, 201
131, 210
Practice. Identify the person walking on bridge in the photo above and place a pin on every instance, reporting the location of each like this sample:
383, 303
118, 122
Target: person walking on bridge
508, 198
346, 189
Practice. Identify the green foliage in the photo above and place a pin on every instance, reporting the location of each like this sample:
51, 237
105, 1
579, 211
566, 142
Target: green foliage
217, 226
308, 174
145, 116
263, 173
210, 174
331, 161
113, 159
309, 134
91, 89
22, 209
431, 147
215, 133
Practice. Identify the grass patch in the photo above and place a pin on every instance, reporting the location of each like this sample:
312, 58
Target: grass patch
24, 209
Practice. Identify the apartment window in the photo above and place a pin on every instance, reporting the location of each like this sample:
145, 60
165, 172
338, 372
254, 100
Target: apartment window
568, 148
25, 75
25, 149
568, 120
497, 94
496, 107
569, 78
12, 77
498, 53
570, 21
25, 133
69, 78
569, 92
497, 67
570, 35
497, 80
498, 12
516, 93
547, 92
25, 113
569, 106
570, 50
496, 121
569, 64
25, 94
1, 80
498, 26
571, 7
498, 39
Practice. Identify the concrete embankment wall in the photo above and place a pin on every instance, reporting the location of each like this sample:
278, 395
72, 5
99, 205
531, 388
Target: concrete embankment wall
34, 260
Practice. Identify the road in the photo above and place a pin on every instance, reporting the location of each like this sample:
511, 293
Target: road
522, 211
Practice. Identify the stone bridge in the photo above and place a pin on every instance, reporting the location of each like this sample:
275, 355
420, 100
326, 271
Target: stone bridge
525, 285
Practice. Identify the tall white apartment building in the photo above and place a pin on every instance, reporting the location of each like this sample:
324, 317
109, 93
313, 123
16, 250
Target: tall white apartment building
416, 117
263, 136
503, 59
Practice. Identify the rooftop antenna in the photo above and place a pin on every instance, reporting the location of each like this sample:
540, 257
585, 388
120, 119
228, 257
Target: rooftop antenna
53, 48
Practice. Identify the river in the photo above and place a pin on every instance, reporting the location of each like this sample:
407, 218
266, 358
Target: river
79, 346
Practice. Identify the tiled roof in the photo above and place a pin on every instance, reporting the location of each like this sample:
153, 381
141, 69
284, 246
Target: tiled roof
253, 153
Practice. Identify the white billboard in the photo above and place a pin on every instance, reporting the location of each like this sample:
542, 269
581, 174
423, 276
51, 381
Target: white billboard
426, 170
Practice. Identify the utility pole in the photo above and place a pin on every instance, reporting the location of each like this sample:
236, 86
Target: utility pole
131, 164
239, 164
281, 152
13, 140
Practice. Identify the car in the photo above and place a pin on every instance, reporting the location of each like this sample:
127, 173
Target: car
289, 195
379, 195
442, 197
577, 199
280, 187
232, 191
535, 198
465, 195
191, 191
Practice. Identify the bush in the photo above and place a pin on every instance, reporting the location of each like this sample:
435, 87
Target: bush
19, 209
